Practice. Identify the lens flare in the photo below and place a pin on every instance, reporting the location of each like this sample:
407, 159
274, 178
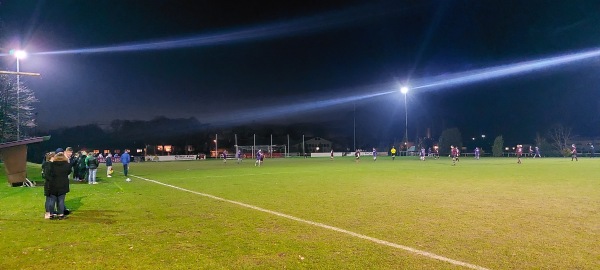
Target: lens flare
267, 113
276, 30
474, 76
422, 84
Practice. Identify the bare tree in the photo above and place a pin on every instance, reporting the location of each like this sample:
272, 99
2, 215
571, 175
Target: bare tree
9, 110
560, 136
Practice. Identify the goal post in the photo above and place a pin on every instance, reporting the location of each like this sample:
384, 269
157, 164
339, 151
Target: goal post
270, 151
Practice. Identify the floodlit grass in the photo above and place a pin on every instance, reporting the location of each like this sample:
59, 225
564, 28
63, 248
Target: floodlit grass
493, 213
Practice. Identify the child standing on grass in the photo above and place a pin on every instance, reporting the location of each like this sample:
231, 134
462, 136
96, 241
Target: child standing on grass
109, 165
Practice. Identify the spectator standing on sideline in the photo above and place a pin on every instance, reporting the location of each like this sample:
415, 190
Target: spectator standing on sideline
59, 181
109, 165
46, 175
69, 155
75, 166
82, 170
92, 165
126, 159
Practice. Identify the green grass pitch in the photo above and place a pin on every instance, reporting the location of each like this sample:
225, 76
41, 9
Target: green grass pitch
491, 213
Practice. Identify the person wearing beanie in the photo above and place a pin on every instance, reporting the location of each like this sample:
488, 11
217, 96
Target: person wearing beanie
58, 178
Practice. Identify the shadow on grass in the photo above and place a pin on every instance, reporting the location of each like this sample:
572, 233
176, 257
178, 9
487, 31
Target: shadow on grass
95, 216
74, 204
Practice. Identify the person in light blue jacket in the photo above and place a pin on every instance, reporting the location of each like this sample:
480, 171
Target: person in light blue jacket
125, 159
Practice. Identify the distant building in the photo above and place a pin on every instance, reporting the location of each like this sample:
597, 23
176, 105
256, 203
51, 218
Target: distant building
316, 145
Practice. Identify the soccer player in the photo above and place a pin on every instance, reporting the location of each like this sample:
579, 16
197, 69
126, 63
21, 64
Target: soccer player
530, 151
393, 153
357, 155
453, 154
331, 154
537, 152
422, 153
374, 154
238, 155
224, 156
592, 152
457, 154
519, 153
476, 152
258, 158
573, 152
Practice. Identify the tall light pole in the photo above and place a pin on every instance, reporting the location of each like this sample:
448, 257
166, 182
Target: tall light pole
19, 54
404, 90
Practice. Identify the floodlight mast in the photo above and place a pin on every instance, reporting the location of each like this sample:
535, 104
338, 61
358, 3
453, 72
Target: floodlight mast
404, 90
19, 54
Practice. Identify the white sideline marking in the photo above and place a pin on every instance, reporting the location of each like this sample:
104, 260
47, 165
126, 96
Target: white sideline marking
358, 235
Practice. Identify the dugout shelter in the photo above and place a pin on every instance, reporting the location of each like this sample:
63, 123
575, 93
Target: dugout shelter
14, 156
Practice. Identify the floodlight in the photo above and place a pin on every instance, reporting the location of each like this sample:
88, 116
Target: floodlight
404, 90
20, 54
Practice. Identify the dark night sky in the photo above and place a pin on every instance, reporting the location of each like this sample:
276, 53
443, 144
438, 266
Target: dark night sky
310, 51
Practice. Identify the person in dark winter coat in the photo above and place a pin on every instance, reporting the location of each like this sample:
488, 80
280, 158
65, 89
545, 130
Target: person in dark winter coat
81, 166
46, 174
92, 164
59, 181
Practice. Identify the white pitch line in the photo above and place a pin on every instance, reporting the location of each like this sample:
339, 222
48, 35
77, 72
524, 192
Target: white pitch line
325, 226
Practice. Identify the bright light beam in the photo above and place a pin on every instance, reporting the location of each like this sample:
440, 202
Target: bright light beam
266, 113
299, 26
474, 76
428, 84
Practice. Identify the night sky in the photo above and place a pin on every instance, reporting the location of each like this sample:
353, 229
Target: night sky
254, 62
